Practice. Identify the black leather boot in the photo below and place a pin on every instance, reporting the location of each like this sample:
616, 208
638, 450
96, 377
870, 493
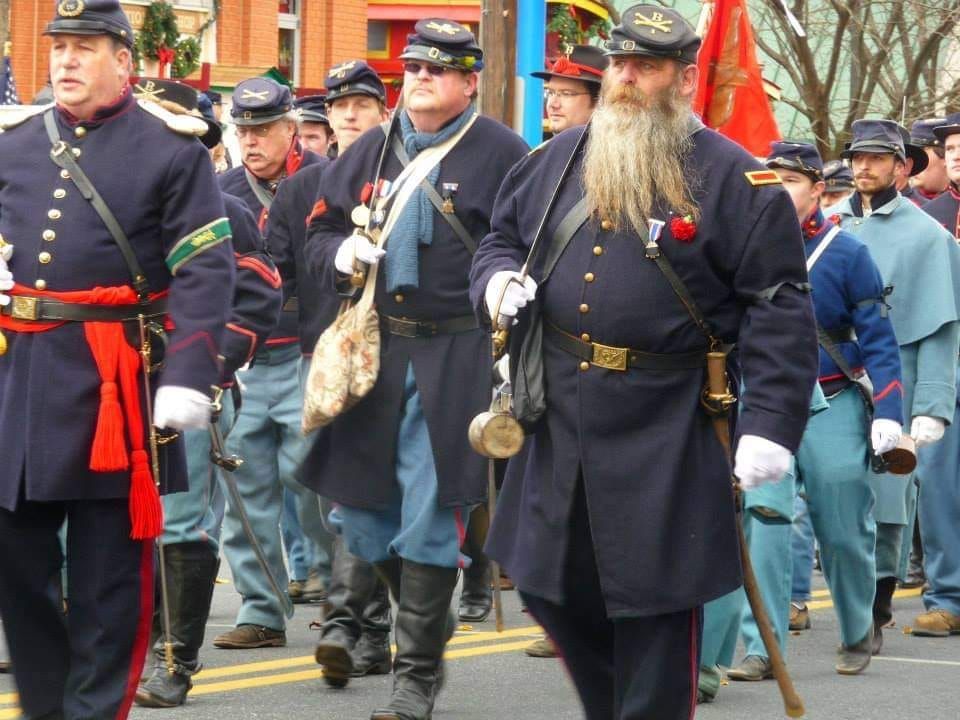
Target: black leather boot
353, 585
422, 629
191, 570
882, 609
371, 655
476, 595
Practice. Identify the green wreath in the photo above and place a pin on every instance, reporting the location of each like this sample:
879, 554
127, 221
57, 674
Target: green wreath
160, 30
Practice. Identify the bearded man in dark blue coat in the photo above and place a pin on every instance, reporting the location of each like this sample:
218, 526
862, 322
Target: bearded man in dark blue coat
620, 525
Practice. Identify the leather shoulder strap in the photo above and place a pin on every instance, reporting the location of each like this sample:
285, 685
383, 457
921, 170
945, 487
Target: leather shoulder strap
566, 229
265, 198
451, 217
680, 288
62, 155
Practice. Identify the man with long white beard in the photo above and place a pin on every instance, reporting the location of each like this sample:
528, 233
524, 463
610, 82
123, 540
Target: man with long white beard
621, 524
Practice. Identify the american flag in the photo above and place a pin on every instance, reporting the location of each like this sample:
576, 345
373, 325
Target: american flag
8, 88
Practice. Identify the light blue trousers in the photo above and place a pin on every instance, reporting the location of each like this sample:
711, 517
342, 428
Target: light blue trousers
197, 514
414, 526
802, 548
940, 519
267, 436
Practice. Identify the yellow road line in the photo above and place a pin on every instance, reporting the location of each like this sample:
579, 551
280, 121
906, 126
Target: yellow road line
307, 660
918, 661
821, 604
316, 674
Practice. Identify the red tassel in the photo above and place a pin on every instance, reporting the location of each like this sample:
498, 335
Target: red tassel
146, 511
109, 453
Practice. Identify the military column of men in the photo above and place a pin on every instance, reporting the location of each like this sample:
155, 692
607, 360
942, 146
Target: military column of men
662, 241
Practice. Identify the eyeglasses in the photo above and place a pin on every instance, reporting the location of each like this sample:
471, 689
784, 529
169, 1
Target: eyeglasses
414, 68
260, 131
549, 94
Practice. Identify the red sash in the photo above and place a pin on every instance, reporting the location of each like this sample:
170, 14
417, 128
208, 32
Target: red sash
119, 366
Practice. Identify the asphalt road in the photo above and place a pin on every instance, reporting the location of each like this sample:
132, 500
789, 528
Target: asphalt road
489, 677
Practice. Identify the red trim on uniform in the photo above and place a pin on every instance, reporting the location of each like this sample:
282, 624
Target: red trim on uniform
282, 341
250, 335
269, 274
894, 385
142, 637
262, 220
461, 528
566, 66
694, 670
200, 335
837, 376
319, 208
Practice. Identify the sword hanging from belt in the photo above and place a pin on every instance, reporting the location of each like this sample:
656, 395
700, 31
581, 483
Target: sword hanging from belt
718, 400
226, 466
145, 352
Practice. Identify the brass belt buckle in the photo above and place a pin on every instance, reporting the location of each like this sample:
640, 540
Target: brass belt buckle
25, 308
611, 358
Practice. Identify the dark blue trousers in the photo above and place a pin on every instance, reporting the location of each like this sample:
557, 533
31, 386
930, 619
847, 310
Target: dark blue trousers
87, 664
642, 668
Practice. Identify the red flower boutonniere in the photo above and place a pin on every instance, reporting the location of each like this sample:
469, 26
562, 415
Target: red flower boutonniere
835, 218
683, 228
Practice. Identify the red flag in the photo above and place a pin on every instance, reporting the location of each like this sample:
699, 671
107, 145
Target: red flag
730, 94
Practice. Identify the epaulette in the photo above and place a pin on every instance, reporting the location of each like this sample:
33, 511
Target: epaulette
182, 124
762, 177
539, 147
11, 117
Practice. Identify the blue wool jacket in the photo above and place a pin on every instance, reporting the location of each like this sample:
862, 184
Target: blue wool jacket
848, 293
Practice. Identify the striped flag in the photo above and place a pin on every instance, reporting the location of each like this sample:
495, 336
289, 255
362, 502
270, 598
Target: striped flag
8, 88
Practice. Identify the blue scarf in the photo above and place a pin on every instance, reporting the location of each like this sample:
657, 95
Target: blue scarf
415, 225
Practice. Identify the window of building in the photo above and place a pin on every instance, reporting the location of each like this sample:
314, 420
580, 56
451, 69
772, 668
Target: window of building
378, 39
288, 47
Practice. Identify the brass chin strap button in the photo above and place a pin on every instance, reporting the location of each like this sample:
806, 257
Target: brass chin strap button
398, 298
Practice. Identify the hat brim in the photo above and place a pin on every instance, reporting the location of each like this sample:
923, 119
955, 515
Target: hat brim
942, 132
422, 54
546, 75
313, 117
919, 157
355, 89
62, 26
839, 185
867, 146
257, 119
785, 164
213, 135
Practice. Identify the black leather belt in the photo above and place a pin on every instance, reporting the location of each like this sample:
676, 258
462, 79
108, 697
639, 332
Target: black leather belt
405, 327
617, 358
29, 308
842, 335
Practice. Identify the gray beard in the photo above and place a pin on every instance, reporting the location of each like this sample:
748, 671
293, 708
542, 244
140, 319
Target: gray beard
636, 158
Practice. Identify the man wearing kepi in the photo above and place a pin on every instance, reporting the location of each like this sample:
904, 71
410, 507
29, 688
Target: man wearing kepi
920, 264
399, 463
80, 279
940, 465
572, 86
834, 460
267, 433
355, 636
622, 525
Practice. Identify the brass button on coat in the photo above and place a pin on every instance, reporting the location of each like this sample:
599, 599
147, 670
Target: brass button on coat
585, 337
76, 152
44, 257
53, 214
59, 193
606, 224
584, 308
65, 174
398, 297
80, 131
584, 365
40, 284
49, 235
589, 277
597, 250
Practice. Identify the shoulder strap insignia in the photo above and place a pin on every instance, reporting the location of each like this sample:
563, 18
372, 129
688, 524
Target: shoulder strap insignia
11, 117
539, 147
762, 177
182, 124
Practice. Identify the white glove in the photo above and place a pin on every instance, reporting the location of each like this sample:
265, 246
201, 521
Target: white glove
6, 277
516, 296
927, 430
884, 435
180, 408
759, 461
359, 247
501, 368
